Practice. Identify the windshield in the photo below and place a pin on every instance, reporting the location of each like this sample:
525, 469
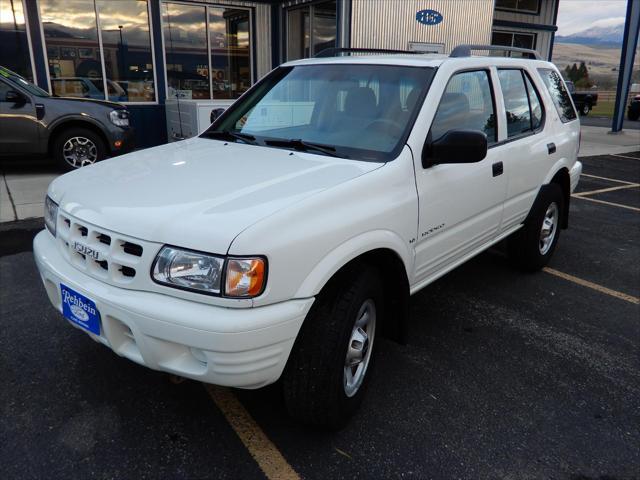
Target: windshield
22, 82
364, 112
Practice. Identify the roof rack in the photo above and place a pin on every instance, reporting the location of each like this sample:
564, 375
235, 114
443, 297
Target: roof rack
465, 50
335, 51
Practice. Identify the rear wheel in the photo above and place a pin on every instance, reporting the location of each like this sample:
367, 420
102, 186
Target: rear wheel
77, 147
531, 247
585, 109
330, 364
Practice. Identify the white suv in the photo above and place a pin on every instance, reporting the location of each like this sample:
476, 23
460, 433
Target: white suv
288, 236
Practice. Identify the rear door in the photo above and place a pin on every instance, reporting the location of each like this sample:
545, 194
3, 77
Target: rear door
460, 204
527, 149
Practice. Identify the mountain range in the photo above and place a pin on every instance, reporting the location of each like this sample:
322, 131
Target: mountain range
609, 36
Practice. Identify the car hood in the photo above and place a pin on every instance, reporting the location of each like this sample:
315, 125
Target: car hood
198, 193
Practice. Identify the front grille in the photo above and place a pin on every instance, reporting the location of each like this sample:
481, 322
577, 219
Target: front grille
101, 253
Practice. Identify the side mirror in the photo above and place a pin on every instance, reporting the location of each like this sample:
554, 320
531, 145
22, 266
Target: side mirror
215, 113
14, 97
455, 146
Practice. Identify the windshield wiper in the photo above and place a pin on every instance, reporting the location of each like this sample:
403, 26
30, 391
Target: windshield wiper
229, 135
303, 145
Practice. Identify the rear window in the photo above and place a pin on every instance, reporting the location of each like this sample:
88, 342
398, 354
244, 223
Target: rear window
559, 94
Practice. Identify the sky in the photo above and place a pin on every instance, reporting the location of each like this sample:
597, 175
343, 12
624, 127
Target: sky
577, 15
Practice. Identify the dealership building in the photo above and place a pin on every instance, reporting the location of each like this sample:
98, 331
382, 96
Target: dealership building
152, 54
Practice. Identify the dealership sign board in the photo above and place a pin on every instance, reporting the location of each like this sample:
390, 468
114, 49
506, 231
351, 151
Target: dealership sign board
428, 17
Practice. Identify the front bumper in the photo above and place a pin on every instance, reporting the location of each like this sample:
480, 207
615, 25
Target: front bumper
123, 140
237, 347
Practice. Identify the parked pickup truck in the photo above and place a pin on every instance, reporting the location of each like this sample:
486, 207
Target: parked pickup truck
584, 101
286, 238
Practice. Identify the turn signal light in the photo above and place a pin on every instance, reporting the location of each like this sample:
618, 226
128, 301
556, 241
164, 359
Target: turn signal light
245, 277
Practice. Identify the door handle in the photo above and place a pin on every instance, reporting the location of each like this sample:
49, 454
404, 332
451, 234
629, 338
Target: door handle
551, 148
497, 168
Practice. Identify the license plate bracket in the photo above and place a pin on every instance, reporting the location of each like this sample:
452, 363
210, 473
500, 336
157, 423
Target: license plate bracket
80, 310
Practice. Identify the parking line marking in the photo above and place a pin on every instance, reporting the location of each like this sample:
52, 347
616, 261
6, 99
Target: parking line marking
263, 451
635, 209
594, 286
624, 156
606, 178
608, 189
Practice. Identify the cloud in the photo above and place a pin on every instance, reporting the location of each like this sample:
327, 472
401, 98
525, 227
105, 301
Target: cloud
577, 15
609, 22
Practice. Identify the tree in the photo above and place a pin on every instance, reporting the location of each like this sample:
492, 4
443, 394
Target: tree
583, 72
573, 73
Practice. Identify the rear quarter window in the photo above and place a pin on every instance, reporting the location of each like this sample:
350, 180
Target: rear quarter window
559, 94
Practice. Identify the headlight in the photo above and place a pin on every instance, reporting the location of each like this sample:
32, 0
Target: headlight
243, 277
187, 269
50, 215
119, 118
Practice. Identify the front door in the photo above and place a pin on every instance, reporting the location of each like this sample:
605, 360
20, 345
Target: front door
18, 122
460, 204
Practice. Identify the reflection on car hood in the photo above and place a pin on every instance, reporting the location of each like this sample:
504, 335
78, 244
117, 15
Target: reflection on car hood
198, 193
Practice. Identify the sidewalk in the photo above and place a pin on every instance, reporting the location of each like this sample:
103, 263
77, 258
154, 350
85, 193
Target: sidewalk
23, 184
598, 141
22, 190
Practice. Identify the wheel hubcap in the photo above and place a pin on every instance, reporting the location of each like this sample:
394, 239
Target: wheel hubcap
549, 228
79, 151
359, 348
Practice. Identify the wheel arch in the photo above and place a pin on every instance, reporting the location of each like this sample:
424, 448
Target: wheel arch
69, 123
391, 261
563, 180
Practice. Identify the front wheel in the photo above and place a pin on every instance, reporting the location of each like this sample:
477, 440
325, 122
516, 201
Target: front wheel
531, 247
327, 372
78, 147
585, 109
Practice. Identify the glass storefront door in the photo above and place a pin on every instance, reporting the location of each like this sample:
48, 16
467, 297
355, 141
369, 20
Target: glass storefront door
311, 29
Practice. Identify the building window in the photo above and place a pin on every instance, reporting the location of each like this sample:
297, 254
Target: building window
207, 51
185, 46
514, 39
14, 54
229, 33
77, 50
311, 29
126, 46
520, 6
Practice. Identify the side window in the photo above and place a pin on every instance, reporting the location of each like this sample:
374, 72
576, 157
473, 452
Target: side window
516, 102
559, 94
467, 103
534, 103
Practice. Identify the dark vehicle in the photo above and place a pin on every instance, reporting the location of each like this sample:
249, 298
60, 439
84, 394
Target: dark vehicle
584, 101
74, 131
633, 111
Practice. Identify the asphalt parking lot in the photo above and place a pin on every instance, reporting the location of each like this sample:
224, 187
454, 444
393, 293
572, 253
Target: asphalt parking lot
505, 375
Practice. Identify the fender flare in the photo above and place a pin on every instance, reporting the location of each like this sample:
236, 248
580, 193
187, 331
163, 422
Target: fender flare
60, 121
347, 251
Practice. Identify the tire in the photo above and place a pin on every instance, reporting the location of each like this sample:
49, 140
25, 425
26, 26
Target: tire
317, 389
526, 248
77, 147
584, 111
633, 116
